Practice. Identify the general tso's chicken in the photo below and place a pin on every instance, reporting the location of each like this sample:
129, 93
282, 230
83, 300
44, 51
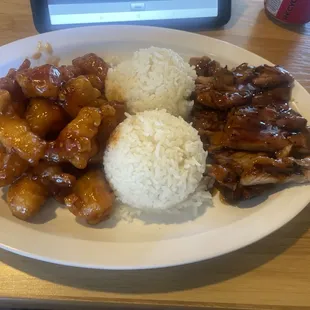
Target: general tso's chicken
78, 93
58, 183
9, 84
69, 72
25, 65
93, 65
18, 99
6, 107
113, 113
11, 166
95, 81
26, 197
15, 135
9, 107
75, 143
92, 198
43, 81
44, 117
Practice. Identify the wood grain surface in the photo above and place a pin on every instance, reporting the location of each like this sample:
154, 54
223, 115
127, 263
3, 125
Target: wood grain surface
274, 273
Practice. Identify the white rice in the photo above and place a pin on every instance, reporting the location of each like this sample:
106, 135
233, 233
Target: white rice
190, 208
155, 161
155, 78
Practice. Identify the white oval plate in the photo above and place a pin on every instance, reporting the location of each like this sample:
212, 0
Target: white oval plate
56, 237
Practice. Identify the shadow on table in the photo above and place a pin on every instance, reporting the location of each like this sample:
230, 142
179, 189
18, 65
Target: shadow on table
170, 279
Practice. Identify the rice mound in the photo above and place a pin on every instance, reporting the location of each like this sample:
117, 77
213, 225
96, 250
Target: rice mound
154, 160
155, 78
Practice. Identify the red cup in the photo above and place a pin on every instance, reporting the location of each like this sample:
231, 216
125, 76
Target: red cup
289, 11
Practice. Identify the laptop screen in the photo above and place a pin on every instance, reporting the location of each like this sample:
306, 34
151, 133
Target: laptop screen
92, 11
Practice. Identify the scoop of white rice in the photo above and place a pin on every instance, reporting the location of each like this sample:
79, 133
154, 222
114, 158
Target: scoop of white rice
155, 78
154, 160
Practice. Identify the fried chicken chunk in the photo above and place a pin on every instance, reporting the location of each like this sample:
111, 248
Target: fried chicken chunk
113, 113
11, 166
26, 197
69, 72
75, 143
43, 117
92, 64
15, 134
5, 103
17, 98
43, 81
78, 93
58, 183
92, 198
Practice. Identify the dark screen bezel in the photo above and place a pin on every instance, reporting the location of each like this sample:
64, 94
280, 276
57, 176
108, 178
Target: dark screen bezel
42, 21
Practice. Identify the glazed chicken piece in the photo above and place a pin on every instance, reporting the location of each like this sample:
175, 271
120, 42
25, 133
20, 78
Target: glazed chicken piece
45, 117
271, 77
249, 112
51, 175
92, 198
78, 93
43, 81
256, 177
91, 64
204, 66
258, 169
276, 96
218, 90
26, 196
268, 139
75, 143
222, 80
208, 121
223, 100
242, 193
244, 73
243, 175
224, 176
11, 166
265, 130
278, 115
15, 135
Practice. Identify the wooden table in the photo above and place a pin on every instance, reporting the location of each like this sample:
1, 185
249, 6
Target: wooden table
273, 273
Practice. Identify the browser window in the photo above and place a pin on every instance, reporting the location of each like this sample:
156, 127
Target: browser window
80, 12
